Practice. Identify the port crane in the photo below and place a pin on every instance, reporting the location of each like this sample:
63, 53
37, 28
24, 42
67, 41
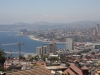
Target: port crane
19, 47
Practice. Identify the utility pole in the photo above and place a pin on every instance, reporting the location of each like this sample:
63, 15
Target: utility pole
10, 54
19, 49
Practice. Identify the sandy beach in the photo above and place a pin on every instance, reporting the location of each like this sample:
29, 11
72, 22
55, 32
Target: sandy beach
37, 39
33, 38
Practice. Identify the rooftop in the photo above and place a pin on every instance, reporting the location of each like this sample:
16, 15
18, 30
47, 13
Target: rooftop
77, 70
84, 68
55, 67
34, 71
69, 71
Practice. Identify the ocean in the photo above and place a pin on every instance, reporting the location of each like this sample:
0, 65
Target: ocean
28, 47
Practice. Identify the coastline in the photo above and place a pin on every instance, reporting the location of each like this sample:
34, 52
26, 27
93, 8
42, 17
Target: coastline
37, 39
33, 38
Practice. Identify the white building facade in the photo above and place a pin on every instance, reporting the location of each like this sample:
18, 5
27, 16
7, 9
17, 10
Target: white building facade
69, 44
42, 50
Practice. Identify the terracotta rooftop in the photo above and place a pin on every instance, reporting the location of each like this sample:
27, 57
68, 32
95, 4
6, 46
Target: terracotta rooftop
34, 71
84, 68
77, 70
68, 71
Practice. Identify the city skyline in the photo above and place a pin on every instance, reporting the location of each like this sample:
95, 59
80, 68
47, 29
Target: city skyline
55, 11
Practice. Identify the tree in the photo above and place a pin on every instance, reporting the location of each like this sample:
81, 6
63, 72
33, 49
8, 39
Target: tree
53, 59
2, 56
44, 57
93, 53
68, 73
21, 57
63, 58
67, 64
35, 58
31, 58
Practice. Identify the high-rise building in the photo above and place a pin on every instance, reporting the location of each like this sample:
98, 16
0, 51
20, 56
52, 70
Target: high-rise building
52, 48
94, 32
69, 44
42, 50
98, 28
39, 50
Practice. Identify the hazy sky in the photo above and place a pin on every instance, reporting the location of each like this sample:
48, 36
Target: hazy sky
56, 11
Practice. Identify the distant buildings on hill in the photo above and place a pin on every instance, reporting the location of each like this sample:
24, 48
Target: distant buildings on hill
23, 31
98, 28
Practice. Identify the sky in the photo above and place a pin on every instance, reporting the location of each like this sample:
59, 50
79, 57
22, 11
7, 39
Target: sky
55, 11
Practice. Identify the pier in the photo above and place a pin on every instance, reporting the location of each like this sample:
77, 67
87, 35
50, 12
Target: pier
17, 52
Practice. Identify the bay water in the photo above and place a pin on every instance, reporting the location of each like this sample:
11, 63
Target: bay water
29, 45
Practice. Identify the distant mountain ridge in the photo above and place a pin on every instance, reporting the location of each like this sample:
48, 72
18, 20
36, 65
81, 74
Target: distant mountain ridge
49, 25
20, 23
83, 24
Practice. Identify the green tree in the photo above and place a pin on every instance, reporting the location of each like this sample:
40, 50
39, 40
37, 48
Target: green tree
67, 64
21, 57
31, 58
53, 59
2, 56
44, 57
63, 58
68, 73
35, 58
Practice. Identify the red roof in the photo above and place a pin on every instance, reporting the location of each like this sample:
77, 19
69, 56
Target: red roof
77, 70
35, 71
68, 71
84, 68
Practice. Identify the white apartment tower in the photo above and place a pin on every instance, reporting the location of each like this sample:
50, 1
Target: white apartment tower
39, 50
42, 50
69, 44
